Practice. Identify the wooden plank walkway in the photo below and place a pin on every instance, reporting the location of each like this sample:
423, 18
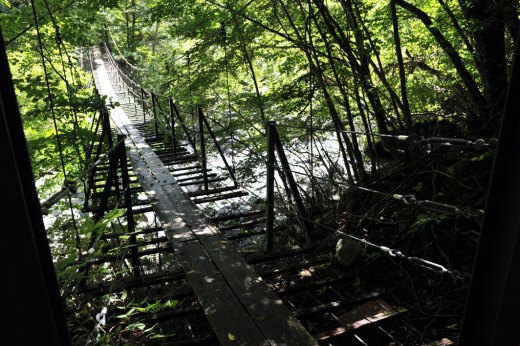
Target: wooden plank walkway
240, 307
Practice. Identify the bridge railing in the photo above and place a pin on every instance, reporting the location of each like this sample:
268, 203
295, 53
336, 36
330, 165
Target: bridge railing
166, 117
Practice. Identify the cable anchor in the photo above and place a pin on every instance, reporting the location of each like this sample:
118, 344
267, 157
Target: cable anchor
439, 207
409, 200
434, 267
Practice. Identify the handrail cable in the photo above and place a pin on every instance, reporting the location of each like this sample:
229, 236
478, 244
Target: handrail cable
121, 54
226, 66
410, 138
393, 253
408, 199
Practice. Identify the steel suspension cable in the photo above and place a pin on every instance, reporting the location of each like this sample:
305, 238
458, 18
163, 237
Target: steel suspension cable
48, 86
53, 112
226, 66
479, 143
121, 54
408, 199
311, 99
393, 253
192, 110
59, 44
421, 262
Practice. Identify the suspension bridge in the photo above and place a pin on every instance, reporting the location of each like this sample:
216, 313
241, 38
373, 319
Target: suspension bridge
234, 298
229, 296
238, 304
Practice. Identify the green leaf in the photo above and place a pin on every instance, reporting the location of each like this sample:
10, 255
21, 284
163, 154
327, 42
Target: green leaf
137, 325
231, 337
159, 336
418, 187
171, 303
127, 314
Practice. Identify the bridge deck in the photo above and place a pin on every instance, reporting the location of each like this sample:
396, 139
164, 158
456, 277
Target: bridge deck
240, 307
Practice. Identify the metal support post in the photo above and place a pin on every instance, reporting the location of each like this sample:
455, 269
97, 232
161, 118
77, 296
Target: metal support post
110, 143
171, 106
274, 144
154, 111
143, 104
271, 128
203, 148
103, 203
219, 149
105, 131
97, 121
111, 180
185, 128
307, 224
121, 154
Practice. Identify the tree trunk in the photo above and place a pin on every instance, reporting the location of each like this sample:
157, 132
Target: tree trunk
479, 105
402, 76
488, 29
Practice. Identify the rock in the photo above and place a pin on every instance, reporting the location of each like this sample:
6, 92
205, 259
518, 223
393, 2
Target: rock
347, 251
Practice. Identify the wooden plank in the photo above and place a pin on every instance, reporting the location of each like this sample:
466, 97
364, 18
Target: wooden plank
269, 312
211, 191
288, 330
258, 258
174, 225
442, 342
169, 201
185, 168
153, 139
368, 313
244, 225
182, 159
331, 306
132, 282
135, 211
119, 234
314, 284
200, 182
220, 197
249, 234
210, 175
192, 215
186, 172
225, 313
168, 158
237, 216
136, 189
168, 152
330, 334
153, 251
141, 211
